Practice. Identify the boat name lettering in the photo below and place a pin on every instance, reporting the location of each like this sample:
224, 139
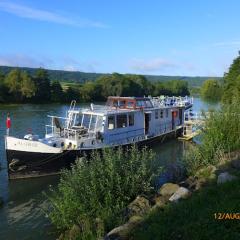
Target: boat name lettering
27, 144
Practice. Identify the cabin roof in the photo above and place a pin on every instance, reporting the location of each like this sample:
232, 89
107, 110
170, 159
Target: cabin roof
127, 98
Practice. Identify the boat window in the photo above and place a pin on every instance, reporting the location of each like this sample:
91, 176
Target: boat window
86, 120
156, 114
93, 122
115, 103
121, 121
99, 123
131, 119
111, 122
149, 104
140, 103
166, 113
161, 114
79, 120
130, 104
121, 104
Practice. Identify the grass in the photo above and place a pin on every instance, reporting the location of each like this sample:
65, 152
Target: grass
220, 136
193, 218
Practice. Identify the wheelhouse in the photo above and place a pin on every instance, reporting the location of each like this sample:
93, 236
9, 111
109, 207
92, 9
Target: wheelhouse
129, 102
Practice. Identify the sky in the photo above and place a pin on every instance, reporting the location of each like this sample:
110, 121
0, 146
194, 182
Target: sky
155, 37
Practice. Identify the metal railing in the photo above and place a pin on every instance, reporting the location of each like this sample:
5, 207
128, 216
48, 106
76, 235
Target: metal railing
172, 101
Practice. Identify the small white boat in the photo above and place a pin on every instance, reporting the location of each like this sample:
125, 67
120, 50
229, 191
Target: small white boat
121, 122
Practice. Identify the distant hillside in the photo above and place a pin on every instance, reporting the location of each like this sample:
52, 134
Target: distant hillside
81, 77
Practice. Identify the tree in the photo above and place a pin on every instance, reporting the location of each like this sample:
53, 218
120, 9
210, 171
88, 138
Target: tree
231, 85
90, 91
56, 92
43, 88
71, 94
171, 88
3, 88
13, 82
28, 87
211, 90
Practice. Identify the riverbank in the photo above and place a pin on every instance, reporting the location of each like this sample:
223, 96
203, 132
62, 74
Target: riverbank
200, 217
204, 206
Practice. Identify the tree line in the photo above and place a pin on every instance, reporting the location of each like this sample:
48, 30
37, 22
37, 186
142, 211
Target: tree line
20, 87
226, 91
231, 84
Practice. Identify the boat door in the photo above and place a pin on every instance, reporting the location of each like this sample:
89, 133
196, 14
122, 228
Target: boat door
180, 116
147, 118
173, 120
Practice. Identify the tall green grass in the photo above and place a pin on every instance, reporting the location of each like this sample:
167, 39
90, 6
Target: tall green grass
221, 134
94, 193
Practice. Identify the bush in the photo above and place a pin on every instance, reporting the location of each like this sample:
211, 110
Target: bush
220, 136
94, 192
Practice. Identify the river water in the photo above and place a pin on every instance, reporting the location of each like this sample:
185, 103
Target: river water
22, 216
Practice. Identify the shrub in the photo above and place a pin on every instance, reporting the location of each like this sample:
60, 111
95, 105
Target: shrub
220, 136
94, 192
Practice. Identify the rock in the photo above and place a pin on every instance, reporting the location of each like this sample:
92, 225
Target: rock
122, 232
168, 189
208, 172
225, 177
193, 183
135, 220
236, 163
61, 237
140, 206
234, 155
179, 194
160, 201
74, 232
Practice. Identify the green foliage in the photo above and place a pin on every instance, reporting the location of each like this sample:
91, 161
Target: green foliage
222, 129
220, 135
171, 88
231, 87
19, 85
71, 93
81, 77
28, 87
56, 92
90, 91
43, 88
98, 189
123, 85
13, 82
39, 89
3, 88
211, 90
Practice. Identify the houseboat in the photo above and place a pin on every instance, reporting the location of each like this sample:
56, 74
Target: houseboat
120, 122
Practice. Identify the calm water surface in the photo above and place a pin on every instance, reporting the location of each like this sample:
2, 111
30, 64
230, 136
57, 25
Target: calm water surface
22, 216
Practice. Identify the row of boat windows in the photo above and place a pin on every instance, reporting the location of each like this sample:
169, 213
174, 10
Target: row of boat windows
160, 113
130, 104
120, 121
89, 121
